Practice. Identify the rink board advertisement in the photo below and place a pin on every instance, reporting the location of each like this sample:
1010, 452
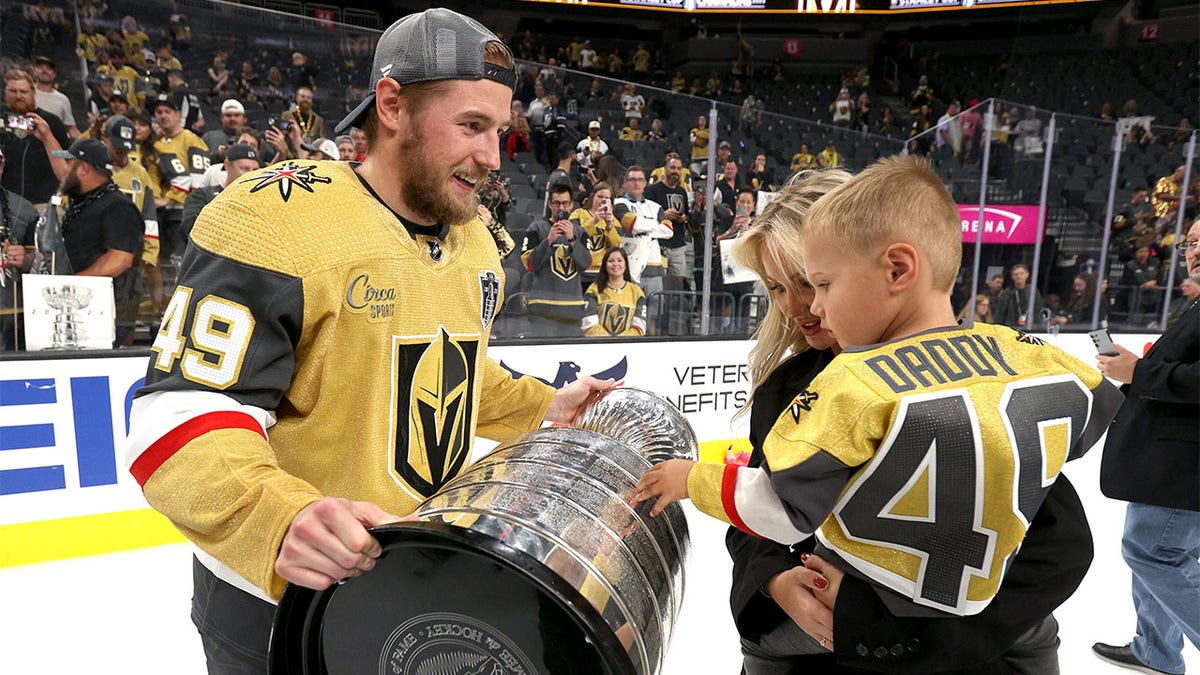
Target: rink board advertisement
64, 490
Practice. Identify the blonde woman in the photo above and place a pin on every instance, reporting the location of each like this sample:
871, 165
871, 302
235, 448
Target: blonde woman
779, 593
980, 313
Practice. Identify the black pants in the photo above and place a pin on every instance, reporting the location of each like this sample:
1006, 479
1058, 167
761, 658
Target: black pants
235, 627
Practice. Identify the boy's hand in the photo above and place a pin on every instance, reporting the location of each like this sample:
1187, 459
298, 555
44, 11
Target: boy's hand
667, 480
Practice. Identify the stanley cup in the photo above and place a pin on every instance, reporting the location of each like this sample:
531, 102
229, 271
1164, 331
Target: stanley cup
550, 513
68, 326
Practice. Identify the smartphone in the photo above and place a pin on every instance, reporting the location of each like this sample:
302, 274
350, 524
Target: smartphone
22, 122
561, 215
1103, 342
742, 211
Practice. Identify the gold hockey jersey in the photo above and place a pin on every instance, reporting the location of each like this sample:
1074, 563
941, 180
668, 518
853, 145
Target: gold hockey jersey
922, 461
309, 315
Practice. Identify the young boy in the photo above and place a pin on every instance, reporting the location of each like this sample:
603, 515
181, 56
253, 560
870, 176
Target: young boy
923, 451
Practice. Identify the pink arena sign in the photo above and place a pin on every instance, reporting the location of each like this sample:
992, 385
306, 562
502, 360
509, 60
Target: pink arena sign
1001, 224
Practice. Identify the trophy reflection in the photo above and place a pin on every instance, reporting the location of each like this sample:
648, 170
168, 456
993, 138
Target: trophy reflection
68, 324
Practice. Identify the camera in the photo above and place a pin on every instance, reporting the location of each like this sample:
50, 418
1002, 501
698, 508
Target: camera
20, 123
283, 125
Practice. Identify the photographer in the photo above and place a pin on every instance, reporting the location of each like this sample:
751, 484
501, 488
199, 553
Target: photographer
555, 255
285, 138
29, 137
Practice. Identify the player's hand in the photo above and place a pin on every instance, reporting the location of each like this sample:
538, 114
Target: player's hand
793, 591
572, 399
1119, 367
668, 481
328, 541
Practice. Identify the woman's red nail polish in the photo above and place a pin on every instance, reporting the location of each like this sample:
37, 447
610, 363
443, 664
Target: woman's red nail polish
803, 557
820, 583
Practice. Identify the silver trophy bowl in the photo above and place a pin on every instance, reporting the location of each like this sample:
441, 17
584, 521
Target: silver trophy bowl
554, 566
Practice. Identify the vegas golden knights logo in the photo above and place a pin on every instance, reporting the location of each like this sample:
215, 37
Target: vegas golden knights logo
563, 264
434, 407
596, 240
615, 318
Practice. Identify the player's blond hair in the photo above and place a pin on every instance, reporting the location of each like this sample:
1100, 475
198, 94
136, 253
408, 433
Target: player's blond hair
776, 233
896, 199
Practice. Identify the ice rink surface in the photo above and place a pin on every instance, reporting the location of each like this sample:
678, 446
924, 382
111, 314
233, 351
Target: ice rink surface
127, 613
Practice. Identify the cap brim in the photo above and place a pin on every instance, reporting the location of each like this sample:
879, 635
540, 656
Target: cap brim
63, 154
357, 117
125, 145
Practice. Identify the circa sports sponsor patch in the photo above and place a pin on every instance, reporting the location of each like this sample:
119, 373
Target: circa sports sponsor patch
285, 176
374, 297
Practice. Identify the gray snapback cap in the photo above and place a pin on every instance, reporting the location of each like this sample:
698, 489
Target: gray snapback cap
437, 44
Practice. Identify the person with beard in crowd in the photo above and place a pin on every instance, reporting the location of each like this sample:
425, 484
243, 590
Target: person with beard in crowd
262, 507
345, 147
102, 229
673, 197
30, 146
233, 119
312, 125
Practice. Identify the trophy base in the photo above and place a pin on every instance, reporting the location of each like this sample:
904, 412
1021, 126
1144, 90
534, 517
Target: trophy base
444, 599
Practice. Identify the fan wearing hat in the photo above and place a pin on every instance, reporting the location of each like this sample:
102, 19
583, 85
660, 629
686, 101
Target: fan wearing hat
322, 149
337, 304
240, 159
120, 138
233, 118
102, 229
45, 72
592, 148
182, 160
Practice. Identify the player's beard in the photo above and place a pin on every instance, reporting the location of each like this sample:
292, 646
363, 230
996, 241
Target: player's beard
427, 192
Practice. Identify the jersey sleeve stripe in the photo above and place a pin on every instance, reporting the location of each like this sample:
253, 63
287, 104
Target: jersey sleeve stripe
729, 482
162, 449
758, 506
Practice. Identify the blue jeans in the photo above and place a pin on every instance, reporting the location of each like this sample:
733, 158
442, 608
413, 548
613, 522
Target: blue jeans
1162, 547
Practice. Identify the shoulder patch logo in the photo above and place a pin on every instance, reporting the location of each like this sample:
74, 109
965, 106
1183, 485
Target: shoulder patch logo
802, 403
489, 297
285, 176
1029, 339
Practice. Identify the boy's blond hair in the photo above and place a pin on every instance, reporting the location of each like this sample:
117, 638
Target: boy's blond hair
894, 199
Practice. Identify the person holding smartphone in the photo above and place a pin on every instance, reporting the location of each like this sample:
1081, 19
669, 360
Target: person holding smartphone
600, 226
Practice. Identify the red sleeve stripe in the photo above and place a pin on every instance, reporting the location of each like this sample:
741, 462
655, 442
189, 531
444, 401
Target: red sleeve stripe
728, 488
162, 449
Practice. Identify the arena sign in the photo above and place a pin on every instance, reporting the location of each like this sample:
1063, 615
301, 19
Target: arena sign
1001, 224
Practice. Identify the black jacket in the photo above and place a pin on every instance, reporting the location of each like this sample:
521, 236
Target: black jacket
1049, 566
1152, 455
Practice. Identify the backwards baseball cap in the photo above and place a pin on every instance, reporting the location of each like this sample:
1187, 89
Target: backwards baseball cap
241, 151
87, 150
46, 60
594, 124
437, 44
117, 93
121, 132
233, 105
724, 144
322, 145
